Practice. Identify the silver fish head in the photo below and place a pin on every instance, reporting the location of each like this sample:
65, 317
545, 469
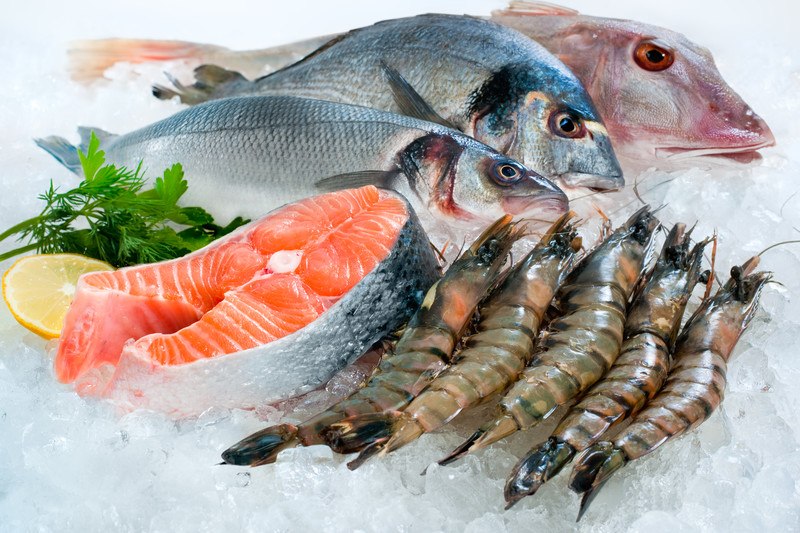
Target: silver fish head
468, 180
659, 93
544, 118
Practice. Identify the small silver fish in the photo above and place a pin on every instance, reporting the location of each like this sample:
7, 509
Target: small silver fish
245, 156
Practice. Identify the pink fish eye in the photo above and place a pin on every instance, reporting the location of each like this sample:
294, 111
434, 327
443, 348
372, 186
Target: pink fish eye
653, 56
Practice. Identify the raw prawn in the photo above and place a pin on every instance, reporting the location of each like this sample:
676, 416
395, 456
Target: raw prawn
492, 358
580, 346
637, 375
423, 350
694, 387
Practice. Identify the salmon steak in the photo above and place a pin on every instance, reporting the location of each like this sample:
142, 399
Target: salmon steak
268, 312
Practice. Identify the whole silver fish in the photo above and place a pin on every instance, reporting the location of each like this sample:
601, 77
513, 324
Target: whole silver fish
488, 81
246, 156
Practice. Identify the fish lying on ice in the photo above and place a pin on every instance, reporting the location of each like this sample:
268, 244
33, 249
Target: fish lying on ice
658, 92
486, 80
650, 84
245, 156
267, 312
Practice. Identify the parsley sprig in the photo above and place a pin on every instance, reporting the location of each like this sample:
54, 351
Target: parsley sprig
109, 217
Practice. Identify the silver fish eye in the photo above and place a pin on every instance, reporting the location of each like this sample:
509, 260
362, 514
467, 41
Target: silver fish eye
507, 172
566, 124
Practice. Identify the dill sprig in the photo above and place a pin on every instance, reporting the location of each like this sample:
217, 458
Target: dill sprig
109, 217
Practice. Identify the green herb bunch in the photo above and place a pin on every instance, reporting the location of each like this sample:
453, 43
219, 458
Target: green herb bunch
109, 217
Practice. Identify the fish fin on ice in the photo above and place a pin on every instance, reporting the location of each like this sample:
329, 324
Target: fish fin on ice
89, 59
211, 82
63, 152
86, 135
352, 180
535, 9
409, 101
66, 153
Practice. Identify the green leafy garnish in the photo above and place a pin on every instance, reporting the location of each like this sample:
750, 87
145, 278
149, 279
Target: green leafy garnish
109, 217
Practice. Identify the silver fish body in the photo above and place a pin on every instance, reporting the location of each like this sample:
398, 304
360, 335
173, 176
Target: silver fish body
489, 81
245, 156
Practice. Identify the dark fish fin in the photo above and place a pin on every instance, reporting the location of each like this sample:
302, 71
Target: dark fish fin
61, 149
316, 52
409, 100
211, 82
350, 180
262, 447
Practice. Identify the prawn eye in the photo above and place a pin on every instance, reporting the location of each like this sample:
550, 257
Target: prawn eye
506, 172
653, 56
565, 124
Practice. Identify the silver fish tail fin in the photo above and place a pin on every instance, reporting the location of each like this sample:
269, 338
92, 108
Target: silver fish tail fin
66, 153
211, 82
61, 149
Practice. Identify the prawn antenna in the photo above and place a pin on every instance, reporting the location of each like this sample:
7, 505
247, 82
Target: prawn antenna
770, 247
712, 275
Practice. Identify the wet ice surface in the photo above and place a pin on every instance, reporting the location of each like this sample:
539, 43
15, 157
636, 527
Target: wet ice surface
69, 464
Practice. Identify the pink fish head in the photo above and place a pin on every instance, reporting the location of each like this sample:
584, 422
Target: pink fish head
659, 93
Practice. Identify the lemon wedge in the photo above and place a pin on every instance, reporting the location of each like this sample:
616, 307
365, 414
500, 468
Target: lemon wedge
39, 288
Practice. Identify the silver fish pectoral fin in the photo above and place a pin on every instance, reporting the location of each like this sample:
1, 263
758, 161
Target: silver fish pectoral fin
351, 180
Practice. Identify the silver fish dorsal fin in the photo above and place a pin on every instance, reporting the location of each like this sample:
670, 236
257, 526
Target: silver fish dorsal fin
535, 9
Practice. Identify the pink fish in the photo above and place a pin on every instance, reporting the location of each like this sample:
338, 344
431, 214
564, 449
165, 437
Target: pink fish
659, 93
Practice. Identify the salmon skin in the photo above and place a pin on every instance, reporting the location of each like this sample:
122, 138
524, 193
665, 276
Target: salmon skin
486, 80
244, 156
268, 312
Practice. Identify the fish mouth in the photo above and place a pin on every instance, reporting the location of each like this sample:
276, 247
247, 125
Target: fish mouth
592, 181
743, 153
549, 206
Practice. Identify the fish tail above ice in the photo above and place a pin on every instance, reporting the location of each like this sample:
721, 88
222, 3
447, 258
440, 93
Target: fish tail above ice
89, 59
66, 153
